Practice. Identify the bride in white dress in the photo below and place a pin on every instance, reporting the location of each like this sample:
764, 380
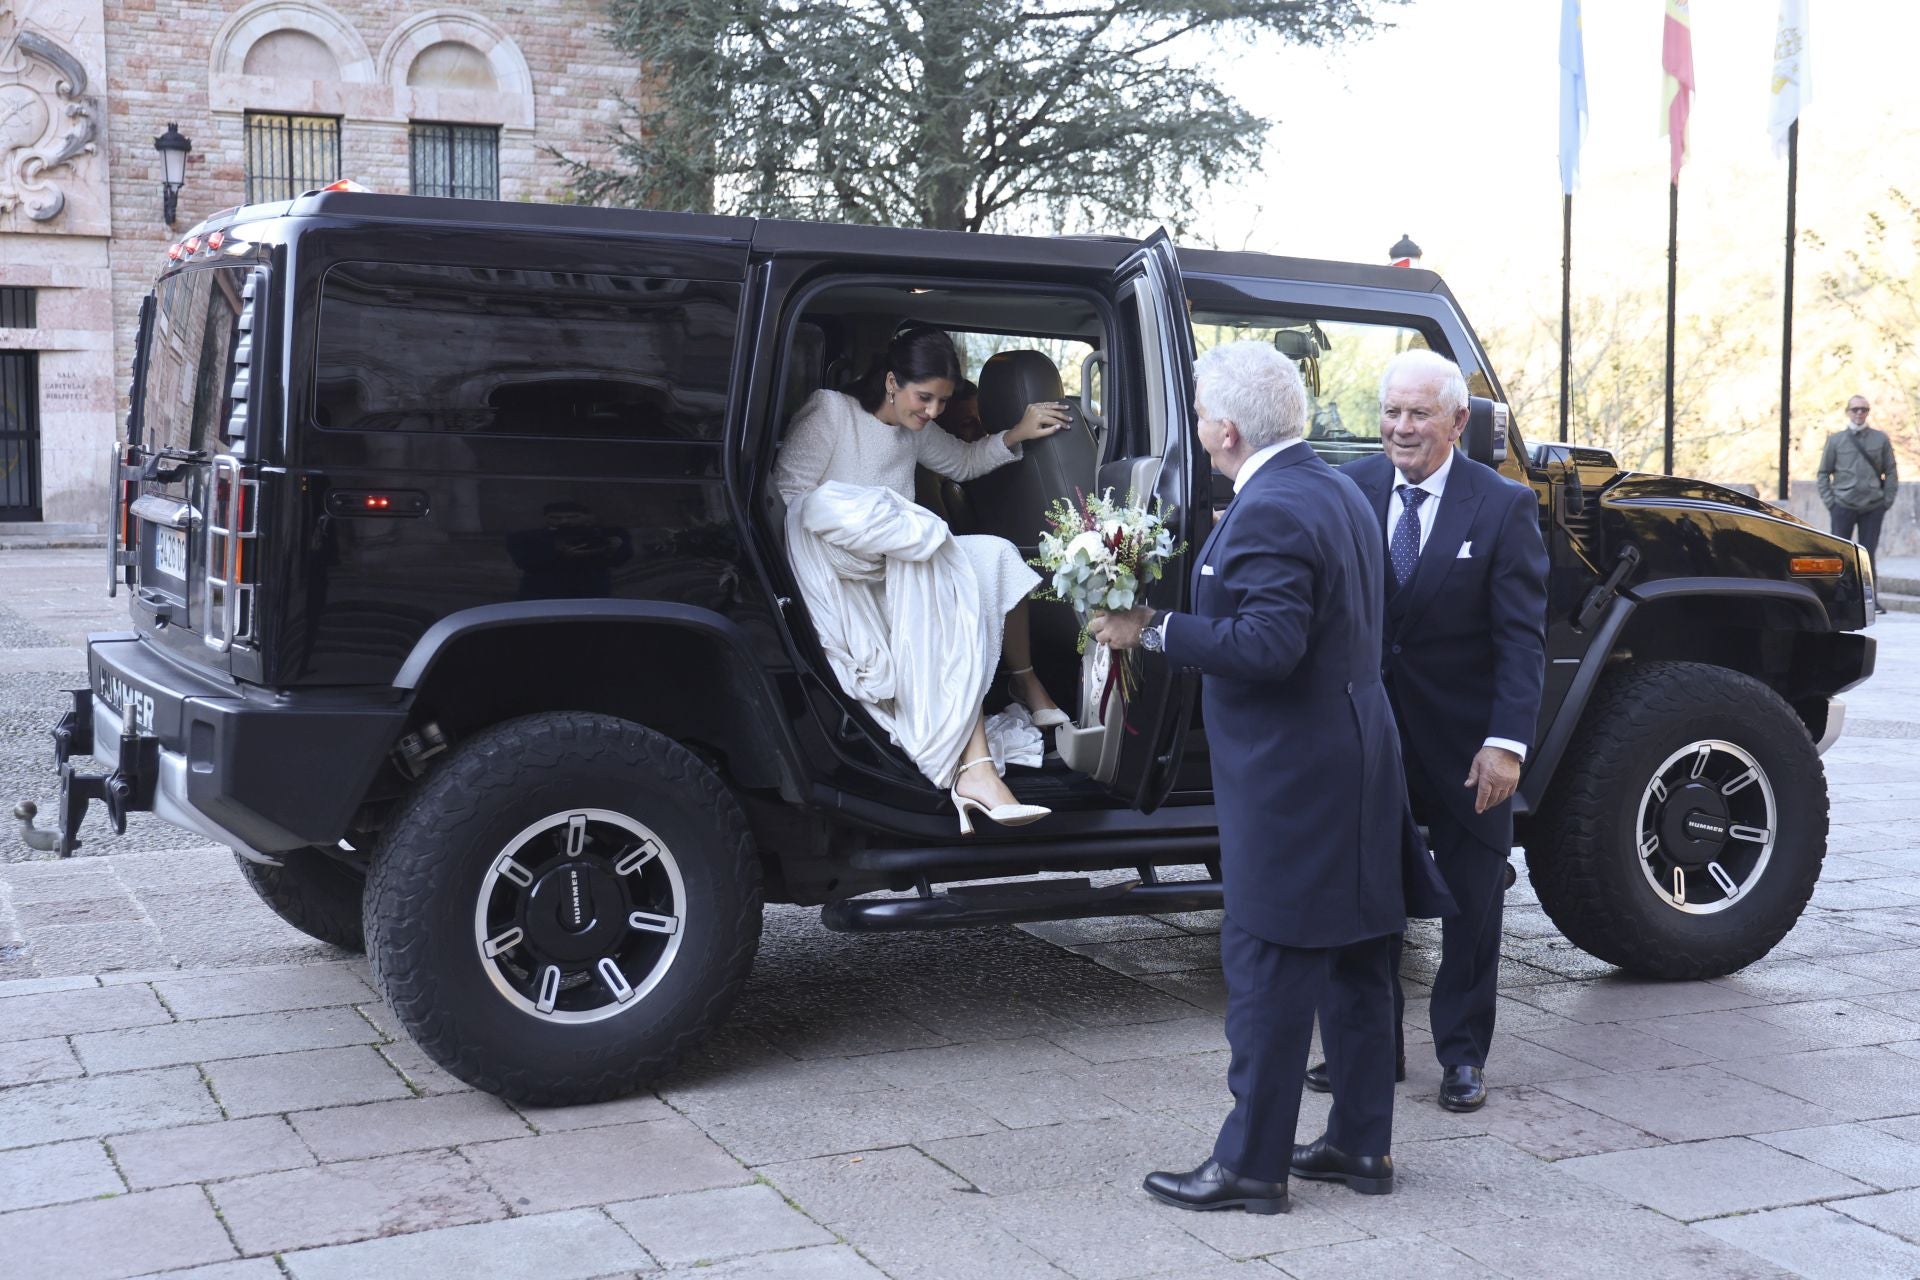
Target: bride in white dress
875, 439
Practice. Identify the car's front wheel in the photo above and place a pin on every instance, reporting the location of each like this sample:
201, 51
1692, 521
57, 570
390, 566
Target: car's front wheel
1685, 829
563, 908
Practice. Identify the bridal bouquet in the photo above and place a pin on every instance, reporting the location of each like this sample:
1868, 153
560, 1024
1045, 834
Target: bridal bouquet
1099, 554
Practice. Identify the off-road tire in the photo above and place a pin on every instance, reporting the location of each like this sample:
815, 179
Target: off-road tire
315, 893
1584, 854
436, 856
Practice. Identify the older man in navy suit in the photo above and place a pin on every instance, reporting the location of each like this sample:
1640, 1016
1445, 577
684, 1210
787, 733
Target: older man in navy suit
1464, 662
1318, 853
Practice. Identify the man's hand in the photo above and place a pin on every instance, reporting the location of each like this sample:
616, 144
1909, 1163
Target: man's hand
1121, 630
1495, 772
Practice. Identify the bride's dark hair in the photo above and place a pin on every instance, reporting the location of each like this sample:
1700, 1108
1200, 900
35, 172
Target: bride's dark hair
915, 355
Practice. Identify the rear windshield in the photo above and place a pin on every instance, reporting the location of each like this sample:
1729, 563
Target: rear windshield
189, 370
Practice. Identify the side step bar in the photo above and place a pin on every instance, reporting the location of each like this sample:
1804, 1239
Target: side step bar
969, 906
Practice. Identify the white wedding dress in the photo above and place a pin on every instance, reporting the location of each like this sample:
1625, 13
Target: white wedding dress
938, 665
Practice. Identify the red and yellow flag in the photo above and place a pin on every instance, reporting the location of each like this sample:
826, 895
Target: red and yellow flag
1676, 56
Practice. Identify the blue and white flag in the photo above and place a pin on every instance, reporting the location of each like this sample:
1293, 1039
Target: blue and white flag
1573, 94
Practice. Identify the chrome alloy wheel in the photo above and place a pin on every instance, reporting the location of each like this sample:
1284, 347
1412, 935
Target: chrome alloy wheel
1706, 826
580, 916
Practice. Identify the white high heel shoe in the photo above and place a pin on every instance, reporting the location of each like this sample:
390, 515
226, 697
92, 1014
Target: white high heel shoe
1045, 717
1007, 815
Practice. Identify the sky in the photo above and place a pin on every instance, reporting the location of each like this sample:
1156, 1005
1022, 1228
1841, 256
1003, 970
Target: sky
1446, 127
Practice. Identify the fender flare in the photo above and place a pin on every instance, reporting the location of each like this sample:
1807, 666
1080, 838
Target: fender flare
1553, 745
751, 679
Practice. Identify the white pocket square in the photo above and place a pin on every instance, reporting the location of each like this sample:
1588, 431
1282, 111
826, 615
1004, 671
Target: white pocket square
1206, 571
1466, 551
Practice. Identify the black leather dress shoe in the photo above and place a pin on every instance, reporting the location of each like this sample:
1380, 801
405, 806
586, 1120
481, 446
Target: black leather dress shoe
1214, 1186
1369, 1175
1463, 1089
1320, 1082
1507, 877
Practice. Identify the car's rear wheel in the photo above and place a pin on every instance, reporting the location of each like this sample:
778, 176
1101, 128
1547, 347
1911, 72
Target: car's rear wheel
563, 908
1686, 826
314, 892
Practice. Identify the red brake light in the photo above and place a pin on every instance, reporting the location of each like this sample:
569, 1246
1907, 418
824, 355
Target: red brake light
346, 184
192, 246
217, 239
173, 253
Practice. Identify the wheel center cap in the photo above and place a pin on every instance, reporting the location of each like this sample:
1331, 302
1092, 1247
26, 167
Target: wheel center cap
575, 912
1693, 824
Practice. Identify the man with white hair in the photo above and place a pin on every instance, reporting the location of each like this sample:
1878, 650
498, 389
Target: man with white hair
1464, 660
1319, 858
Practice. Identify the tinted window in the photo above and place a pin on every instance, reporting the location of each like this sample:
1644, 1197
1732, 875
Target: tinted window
516, 352
189, 376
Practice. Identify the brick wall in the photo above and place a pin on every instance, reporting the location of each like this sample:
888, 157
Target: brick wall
557, 77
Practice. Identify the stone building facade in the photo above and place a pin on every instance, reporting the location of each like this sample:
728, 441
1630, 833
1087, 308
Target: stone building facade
276, 96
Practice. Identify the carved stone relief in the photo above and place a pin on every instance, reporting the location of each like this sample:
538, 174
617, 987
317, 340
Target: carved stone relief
48, 121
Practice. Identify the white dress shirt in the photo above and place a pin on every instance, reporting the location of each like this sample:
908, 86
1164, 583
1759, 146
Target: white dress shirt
1258, 459
1436, 487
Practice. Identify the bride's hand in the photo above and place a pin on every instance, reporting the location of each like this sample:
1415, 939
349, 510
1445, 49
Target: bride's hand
1040, 420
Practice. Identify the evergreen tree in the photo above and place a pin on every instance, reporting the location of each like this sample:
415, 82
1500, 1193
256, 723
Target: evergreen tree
955, 114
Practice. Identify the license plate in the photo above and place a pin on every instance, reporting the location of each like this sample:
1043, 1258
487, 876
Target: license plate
170, 552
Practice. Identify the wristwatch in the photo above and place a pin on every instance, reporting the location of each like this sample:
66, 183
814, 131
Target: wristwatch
1153, 637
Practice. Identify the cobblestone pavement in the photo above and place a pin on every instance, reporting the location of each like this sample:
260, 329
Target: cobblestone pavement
189, 1087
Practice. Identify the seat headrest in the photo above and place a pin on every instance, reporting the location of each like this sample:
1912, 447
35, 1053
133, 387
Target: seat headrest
1012, 380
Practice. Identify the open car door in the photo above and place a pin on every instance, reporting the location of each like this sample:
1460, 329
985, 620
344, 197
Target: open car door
1127, 734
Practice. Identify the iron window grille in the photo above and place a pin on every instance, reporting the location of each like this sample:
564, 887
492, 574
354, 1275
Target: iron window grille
289, 154
457, 160
19, 308
19, 436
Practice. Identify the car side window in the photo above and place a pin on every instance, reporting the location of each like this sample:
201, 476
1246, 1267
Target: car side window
514, 351
1339, 360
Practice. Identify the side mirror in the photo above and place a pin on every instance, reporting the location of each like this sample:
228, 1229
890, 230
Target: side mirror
1485, 438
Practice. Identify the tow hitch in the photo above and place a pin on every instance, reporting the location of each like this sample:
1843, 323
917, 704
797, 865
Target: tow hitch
126, 788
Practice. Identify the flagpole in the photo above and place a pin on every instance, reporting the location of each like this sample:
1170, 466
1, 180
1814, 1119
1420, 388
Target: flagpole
1786, 324
1673, 263
1566, 310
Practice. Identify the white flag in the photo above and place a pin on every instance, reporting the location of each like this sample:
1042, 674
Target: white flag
1792, 83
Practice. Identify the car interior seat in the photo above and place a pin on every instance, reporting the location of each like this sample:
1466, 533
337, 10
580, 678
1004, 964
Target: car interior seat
1012, 501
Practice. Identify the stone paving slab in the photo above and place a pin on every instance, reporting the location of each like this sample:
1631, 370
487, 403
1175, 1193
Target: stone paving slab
245, 1036
1712, 1179
121, 1236
354, 1200
56, 1173
406, 1124
1872, 1155
1820, 1244
554, 1246
596, 1166
96, 1106
300, 1081
209, 1152
700, 1227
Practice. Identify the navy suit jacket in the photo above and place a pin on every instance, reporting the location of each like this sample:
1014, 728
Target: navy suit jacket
1317, 845
1465, 648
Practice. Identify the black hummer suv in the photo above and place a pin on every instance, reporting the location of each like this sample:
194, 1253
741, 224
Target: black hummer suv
460, 609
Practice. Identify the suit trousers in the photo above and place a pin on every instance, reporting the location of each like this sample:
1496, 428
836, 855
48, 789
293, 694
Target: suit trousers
1862, 526
1272, 991
1468, 980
